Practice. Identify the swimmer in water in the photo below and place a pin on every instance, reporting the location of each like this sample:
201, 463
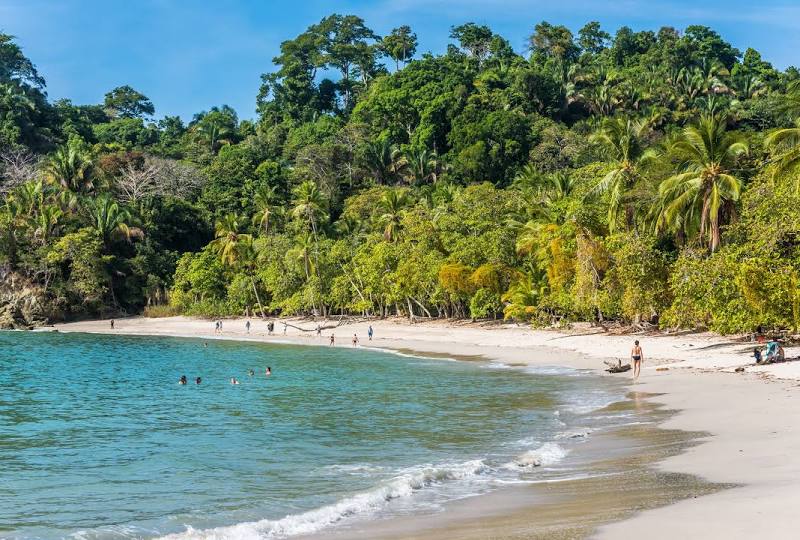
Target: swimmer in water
268, 371
251, 372
198, 380
234, 381
182, 379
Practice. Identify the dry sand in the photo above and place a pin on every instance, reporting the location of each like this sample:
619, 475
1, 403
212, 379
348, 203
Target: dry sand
752, 417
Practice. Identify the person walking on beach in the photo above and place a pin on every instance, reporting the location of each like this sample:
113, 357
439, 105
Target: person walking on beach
247, 326
355, 340
319, 330
333, 340
216, 327
369, 333
112, 324
284, 328
637, 356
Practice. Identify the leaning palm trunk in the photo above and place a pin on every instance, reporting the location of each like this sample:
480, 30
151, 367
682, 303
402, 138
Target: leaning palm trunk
258, 299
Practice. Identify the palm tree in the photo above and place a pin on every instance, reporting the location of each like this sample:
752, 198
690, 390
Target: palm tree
393, 202
521, 299
308, 205
235, 249
45, 222
748, 86
228, 242
420, 165
784, 145
302, 252
266, 210
381, 158
109, 219
705, 184
623, 138
71, 167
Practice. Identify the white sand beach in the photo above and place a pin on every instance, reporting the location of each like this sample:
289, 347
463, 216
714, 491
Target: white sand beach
751, 416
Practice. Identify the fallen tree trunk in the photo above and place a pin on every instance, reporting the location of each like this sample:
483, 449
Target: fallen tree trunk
617, 367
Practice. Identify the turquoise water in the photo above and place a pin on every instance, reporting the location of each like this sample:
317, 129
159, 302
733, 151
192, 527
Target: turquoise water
97, 439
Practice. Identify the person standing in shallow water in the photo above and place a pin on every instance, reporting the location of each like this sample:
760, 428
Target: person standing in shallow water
637, 356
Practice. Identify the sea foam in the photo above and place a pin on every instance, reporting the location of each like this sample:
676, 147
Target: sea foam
366, 503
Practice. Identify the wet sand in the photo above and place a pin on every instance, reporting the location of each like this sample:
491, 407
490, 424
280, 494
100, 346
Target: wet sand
616, 478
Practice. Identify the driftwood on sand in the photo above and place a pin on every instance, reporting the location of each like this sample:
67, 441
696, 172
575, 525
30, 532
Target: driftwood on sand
617, 367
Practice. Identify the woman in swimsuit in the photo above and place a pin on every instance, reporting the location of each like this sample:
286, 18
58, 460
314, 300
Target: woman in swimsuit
637, 356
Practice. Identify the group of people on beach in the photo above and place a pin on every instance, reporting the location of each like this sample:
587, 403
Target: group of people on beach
354, 341
267, 372
773, 353
271, 330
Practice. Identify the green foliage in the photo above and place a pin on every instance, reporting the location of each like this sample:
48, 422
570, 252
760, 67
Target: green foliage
645, 177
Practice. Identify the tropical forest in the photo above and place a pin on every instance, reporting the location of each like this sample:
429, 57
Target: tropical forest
648, 178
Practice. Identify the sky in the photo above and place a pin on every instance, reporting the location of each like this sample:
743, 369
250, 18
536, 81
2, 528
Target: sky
189, 55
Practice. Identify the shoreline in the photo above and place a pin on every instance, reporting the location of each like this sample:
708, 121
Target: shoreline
749, 416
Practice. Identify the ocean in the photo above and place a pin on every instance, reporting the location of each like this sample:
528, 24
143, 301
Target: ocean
99, 441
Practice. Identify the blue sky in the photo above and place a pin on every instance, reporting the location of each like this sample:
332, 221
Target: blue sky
188, 55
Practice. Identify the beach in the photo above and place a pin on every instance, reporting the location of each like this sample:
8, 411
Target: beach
749, 417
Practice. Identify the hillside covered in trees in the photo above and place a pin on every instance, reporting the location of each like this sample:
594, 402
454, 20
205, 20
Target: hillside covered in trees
640, 176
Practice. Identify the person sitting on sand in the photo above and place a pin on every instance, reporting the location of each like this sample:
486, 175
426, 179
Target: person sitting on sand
637, 356
182, 380
772, 351
234, 381
198, 380
757, 355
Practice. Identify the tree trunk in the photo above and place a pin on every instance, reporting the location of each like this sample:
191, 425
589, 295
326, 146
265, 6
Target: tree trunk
258, 299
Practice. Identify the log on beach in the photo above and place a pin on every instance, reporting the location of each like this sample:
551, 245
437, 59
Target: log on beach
617, 367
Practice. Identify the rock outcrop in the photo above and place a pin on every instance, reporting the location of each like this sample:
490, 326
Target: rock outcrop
23, 304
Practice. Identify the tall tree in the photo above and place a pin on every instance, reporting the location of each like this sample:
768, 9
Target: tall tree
623, 139
125, 102
705, 183
400, 45
473, 38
